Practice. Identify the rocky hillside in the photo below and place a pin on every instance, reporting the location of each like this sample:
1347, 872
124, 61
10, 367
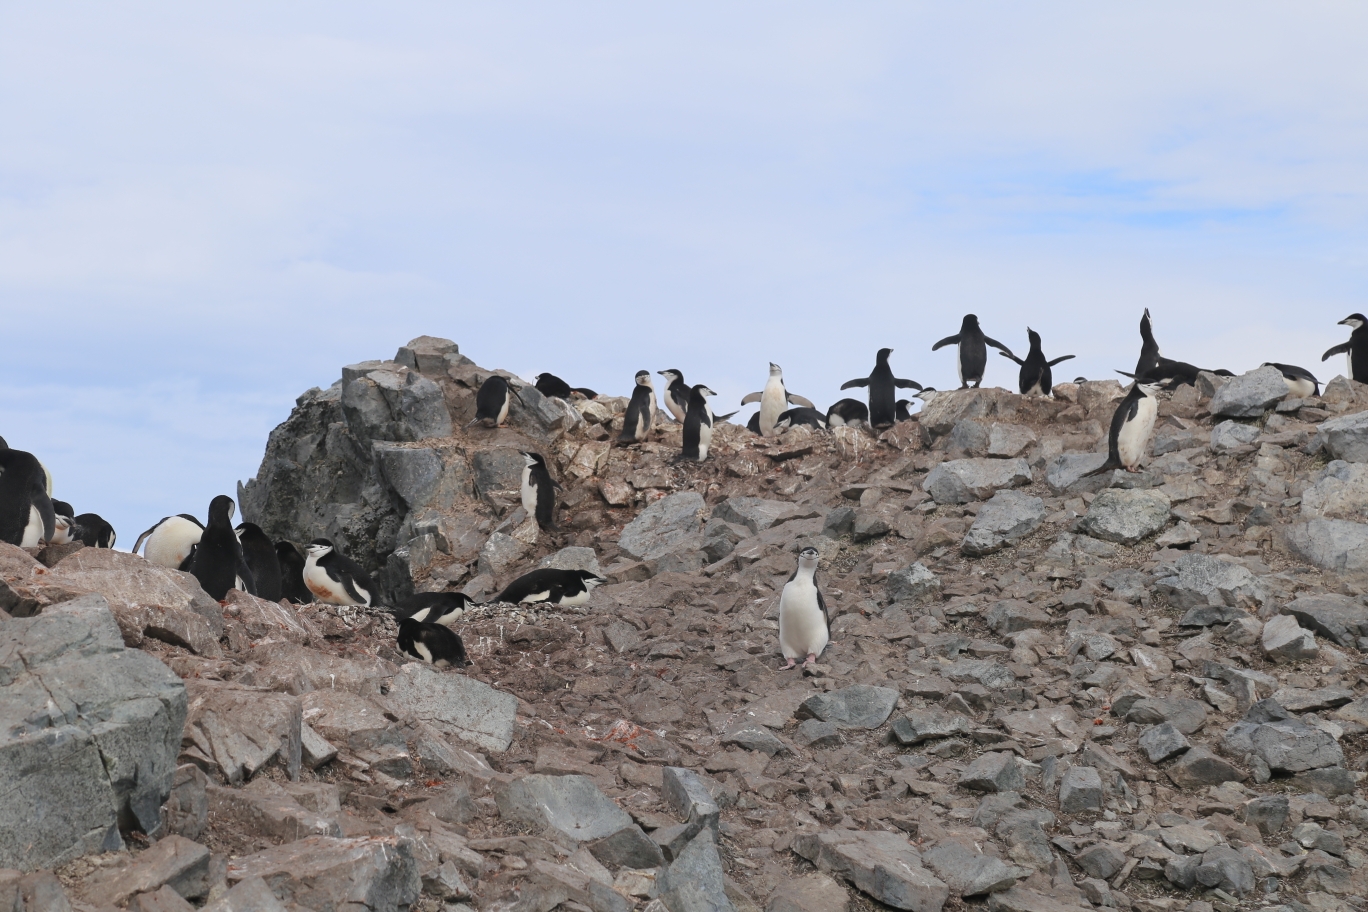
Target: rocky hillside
1045, 691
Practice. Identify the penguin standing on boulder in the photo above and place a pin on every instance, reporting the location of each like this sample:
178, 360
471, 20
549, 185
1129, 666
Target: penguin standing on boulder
676, 394
217, 562
698, 424
27, 518
492, 400
336, 579
1301, 383
774, 400
1036, 378
973, 351
259, 553
539, 490
881, 382
170, 540
641, 411
292, 587
1356, 349
439, 646
1131, 426
804, 625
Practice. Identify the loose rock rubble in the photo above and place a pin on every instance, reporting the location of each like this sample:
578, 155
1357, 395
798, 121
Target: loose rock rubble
1045, 691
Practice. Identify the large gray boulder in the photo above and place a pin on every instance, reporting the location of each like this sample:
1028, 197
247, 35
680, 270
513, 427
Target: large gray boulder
1331, 544
455, 705
1006, 519
1345, 437
391, 402
882, 864
669, 525
375, 873
1126, 517
696, 881
966, 480
1339, 491
1067, 473
1338, 617
755, 513
575, 810
1249, 395
89, 732
1230, 435
913, 583
1202, 580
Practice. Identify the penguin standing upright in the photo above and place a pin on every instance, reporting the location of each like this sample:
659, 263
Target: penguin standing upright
551, 385
1356, 349
881, 382
676, 394
774, 400
850, 413
492, 400
170, 540
698, 424
538, 490
94, 531
335, 578
1036, 378
1149, 349
259, 553
434, 607
641, 411
291, 559
1131, 425
973, 351
1301, 383
27, 518
439, 646
804, 625
218, 562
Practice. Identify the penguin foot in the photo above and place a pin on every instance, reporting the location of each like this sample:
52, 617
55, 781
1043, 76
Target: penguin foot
811, 660
791, 663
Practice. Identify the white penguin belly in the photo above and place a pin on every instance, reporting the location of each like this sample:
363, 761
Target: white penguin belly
1134, 436
33, 529
324, 587
503, 411
772, 405
704, 440
529, 493
171, 542
578, 598
802, 626
1300, 389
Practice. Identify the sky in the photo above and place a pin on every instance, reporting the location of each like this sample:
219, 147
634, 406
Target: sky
206, 211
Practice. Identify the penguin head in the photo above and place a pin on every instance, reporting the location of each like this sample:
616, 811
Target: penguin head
1354, 321
643, 378
62, 508
970, 322
590, 578
882, 356
287, 550
319, 547
1033, 336
533, 459
808, 557
222, 508
251, 531
1149, 386
671, 375
776, 370
1080, 380
703, 391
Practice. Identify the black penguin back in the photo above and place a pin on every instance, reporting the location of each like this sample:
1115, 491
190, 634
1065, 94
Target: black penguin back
259, 553
217, 561
291, 561
23, 486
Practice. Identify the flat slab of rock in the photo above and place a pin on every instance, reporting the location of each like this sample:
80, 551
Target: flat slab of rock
696, 881
1284, 640
1331, 544
1336, 617
174, 861
755, 513
295, 669
1345, 437
574, 807
370, 872
456, 705
884, 865
1202, 580
969, 872
1068, 473
857, 706
1126, 517
967, 480
1004, 520
1249, 395
668, 525
1339, 491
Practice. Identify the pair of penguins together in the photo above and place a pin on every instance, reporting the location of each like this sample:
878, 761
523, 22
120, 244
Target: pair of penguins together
30, 518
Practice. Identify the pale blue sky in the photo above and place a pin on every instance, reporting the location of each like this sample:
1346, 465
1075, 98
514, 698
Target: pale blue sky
204, 213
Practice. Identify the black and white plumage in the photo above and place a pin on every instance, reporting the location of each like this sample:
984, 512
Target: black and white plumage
492, 401
439, 646
698, 424
973, 345
539, 490
434, 607
1301, 383
903, 410
583, 392
804, 625
1149, 349
1355, 351
551, 385
335, 578
849, 413
802, 415
259, 553
556, 587
881, 383
65, 519
676, 393
774, 400
170, 540
217, 562
94, 531
1131, 426
27, 518
1036, 378
1166, 372
641, 411
291, 559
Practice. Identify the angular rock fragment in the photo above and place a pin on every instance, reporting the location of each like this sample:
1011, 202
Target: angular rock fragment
857, 706
1126, 517
881, 864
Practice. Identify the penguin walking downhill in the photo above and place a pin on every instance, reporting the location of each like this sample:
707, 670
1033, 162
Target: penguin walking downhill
1131, 426
774, 400
698, 424
556, 587
676, 394
804, 625
439, 646
259, 553
492, 400
1355, 351
850, 413
1035, 379
973, 351
335, 578
27, 518
1301, 383
539, 490
444, 608
292, 588
882, 385
170, 540
218, 563
641, 411
551, 385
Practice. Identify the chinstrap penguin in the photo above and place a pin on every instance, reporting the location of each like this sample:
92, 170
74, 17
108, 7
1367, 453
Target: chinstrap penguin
439, 646
1301, 383
551, 385
291, 558
972, 355
804, 625
170, 540
27, 517
903, 410
1131, 426
1355, 351
676, 393
850, 413
94, 531
335, 578
218, 563
539, 490
641, 411
881, 382
434, 607
809, 417
558, 587
259, 553
774, 400
65, 519
492, 400
698, 424
1036, 378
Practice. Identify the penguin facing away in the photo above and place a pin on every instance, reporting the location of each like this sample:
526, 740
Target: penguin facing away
556, 587
698, 424
676, 393
1131, 426
804, 625
259, 553
292, 588
94, 531
882, 383
434, 607
641, 408
1035, 378
170, 540
335, 578
1355, 351
1301, 383
551, 385
218, 563
973, 351
439, 646
492, 400
538, 490
27, 517
773, 399
850, 413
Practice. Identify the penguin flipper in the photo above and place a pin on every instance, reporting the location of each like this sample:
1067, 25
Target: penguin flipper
799, 400
1013, 357
908, 384
998, 345
1057, 360
137, 546
752, 397
821, 603
46, 512
514, 390
717, 418
948, 340
1337, 350
1124, 374
863, 381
